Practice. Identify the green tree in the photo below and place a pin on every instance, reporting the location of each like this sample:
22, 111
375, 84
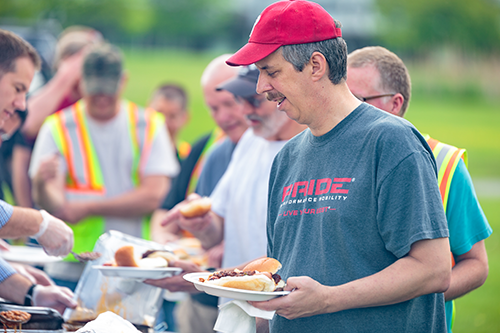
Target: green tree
426, 24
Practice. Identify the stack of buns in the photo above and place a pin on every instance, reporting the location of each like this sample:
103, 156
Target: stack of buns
259, 275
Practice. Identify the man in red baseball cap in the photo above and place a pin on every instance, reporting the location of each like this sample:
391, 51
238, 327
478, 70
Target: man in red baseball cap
354, 211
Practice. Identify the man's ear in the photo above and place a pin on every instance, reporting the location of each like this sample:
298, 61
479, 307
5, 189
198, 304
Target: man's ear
319, 66
396, 104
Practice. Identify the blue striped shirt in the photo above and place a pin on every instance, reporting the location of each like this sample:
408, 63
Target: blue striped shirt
6, 270
6, 211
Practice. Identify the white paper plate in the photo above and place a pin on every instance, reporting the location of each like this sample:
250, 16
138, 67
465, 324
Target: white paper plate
244, 295
138, 273
28, 255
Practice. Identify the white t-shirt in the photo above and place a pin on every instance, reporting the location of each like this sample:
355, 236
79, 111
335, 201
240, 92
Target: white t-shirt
112, 147
240, 198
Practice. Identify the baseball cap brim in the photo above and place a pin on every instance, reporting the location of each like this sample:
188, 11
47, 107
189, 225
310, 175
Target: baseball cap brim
251, 53
98, 85
239, 87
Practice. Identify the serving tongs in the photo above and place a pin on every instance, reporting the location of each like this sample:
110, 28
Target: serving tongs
86, 256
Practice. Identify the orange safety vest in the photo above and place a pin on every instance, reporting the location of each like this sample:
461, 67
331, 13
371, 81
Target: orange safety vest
447, 158
84, 180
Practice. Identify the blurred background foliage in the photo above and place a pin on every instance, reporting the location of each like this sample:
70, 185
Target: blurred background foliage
409, 26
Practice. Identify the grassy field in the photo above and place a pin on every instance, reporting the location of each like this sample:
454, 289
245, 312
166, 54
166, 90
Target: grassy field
454, 114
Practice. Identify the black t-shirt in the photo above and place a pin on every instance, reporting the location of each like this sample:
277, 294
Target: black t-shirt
6, 150
180, 183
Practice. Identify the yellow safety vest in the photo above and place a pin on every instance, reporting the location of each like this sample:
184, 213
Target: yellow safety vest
447, 158
84, 180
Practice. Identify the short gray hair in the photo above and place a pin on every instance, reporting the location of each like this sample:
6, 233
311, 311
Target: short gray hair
334, 50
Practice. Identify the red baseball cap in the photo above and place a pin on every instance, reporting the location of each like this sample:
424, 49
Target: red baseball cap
285, 23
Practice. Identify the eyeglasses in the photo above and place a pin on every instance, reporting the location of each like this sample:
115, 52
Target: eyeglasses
364, 99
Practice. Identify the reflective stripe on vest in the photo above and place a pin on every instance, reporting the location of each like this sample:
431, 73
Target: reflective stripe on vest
447, 158
84, 179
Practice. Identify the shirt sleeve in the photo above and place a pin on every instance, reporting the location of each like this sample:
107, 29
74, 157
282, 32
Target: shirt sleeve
466, 220
6, 270
162, 159
409, 205
6, 211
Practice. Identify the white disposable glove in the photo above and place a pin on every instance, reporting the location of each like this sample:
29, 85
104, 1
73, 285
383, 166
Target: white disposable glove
55, 297
54, 236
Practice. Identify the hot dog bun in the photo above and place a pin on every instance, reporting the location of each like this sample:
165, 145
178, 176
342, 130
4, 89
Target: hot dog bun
257, 282
196, 207
270, 265
166, 255
125, 257
259, 275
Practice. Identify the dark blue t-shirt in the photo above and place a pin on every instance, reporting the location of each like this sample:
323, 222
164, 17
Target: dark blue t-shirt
347, 205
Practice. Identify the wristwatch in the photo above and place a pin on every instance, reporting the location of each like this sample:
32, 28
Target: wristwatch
28, 299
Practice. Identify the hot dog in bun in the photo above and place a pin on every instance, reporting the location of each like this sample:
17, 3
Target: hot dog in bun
196, 207
259, 275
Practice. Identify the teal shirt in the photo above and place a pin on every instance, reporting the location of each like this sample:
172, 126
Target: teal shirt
466, 220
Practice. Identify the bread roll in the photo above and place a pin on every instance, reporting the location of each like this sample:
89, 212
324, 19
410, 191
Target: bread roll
270, 265
125, 257
196, 207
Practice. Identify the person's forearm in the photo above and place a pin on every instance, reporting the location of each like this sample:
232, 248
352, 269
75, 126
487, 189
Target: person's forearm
14, 288
48, 195
20, 180
469, 273
426, 270
45, 103
140, 201
23, 222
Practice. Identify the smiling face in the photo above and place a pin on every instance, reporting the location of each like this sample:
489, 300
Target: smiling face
13, 88
281, 83
226, 111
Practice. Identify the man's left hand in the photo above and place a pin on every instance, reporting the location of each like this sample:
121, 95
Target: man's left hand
307, 298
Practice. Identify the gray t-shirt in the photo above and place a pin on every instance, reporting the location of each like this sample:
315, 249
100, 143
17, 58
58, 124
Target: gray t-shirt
113, 149
350, 203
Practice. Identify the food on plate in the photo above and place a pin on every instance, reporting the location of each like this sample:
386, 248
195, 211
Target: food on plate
196, 207
259, 275
126, 256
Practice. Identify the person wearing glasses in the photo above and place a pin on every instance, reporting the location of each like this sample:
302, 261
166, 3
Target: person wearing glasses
379, 77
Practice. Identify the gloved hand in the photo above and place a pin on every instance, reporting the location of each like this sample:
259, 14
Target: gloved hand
54, 235
35, 275
55, 297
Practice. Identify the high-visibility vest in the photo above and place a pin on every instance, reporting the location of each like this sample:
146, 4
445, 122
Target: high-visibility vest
447, 158
84, 180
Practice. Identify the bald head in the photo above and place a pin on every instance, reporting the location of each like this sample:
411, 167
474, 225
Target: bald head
217, 71
225, 109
